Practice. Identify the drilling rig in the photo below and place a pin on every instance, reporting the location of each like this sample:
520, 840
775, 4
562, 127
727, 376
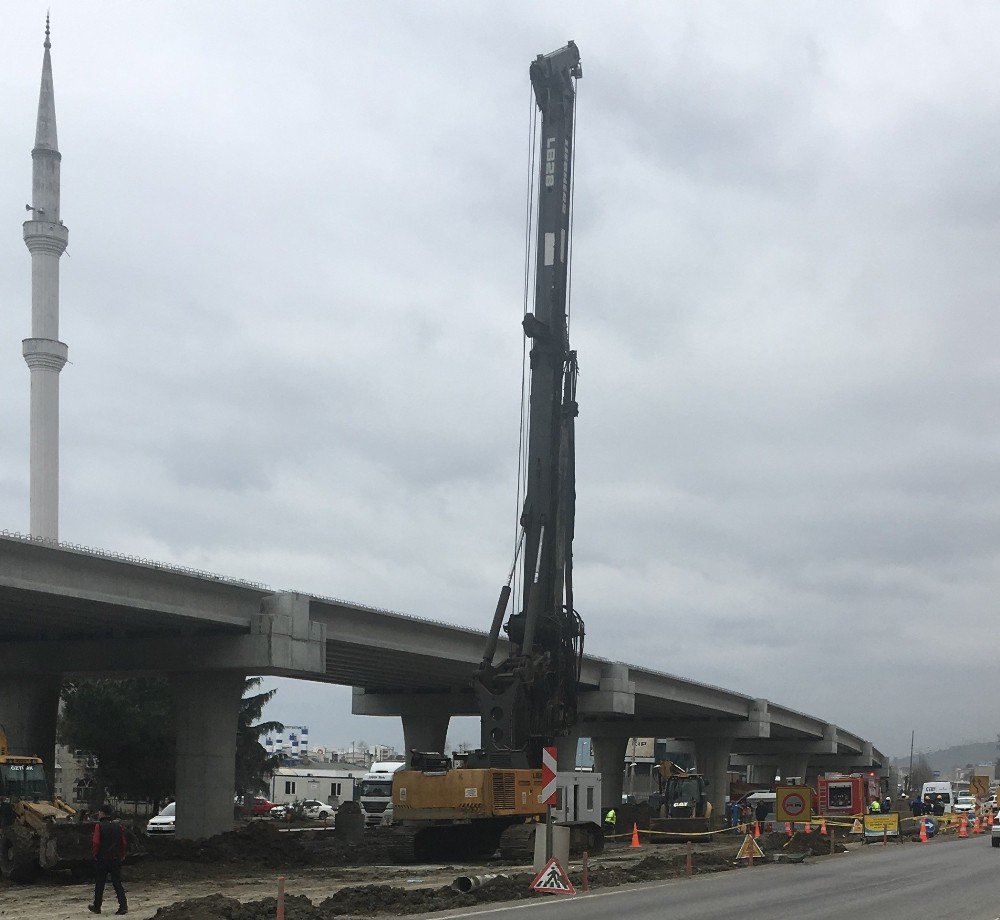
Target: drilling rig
478, 802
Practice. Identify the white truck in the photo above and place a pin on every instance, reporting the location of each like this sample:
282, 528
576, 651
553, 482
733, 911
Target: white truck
376, 790
945, 791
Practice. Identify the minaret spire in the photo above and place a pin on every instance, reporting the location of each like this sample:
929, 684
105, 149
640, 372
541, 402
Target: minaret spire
46, 237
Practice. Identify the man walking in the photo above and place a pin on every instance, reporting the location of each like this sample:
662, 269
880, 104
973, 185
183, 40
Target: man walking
108, 845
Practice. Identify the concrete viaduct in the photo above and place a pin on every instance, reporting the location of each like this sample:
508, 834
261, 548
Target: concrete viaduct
67, 611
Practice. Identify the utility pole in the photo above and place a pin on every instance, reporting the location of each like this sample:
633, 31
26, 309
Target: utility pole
909, 788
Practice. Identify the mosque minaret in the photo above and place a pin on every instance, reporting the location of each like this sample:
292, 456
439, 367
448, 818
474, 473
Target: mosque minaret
46, 236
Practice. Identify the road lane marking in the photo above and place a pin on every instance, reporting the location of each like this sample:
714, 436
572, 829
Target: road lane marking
522, 905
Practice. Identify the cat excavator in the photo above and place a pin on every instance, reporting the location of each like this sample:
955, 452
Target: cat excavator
684, 805
37, 830
489, 798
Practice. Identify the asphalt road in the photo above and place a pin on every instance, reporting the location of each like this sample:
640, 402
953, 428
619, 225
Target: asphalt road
957, 879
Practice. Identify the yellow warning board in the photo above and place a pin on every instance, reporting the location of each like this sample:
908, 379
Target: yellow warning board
750, 848
879, 825
793, 803
979, 786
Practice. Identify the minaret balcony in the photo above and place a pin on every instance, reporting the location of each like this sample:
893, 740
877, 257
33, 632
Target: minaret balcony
46, 236
47, 354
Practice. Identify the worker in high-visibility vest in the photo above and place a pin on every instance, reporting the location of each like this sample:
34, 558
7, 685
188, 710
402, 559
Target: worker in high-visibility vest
610, 820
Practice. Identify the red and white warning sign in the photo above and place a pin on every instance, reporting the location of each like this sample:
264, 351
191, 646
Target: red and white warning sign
548, 795
553, 880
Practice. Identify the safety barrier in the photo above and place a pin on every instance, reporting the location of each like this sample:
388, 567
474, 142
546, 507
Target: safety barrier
946, 823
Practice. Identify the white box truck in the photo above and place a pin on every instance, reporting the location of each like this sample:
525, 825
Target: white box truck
376, 790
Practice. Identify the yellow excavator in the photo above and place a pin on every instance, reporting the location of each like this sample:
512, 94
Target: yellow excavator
684, 807
37, 830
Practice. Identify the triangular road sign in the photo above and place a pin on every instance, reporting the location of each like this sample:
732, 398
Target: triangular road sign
553, 880
856, 828
750, 849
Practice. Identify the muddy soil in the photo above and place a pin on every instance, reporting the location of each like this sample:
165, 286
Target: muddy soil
234, 877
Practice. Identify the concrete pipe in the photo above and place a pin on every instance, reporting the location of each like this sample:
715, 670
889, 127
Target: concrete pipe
466, 883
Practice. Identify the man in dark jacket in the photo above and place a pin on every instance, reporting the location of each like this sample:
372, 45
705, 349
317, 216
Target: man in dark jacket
108, 845
761, 811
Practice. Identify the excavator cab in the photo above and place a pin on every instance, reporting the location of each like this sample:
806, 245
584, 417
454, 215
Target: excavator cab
685, 797
21, 778
684, 804
23, 781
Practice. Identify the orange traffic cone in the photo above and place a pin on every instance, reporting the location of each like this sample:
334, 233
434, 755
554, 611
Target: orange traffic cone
756, 829
635, 836
788, 828
923, 831
963, 827
822, 826
809, 826
977, 827
989, 819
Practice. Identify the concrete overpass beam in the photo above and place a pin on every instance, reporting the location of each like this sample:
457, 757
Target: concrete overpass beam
29, 706
830, 743
758, 720
456, 703
566, 752
425, 733
609, 761
793, 765
615, 694
712, 759
761, 768
206, 707
763, 773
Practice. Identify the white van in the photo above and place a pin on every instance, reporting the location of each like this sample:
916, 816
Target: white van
946, 790
376, 790
768, 798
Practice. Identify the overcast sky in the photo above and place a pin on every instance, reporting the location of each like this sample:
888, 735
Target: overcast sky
293, 293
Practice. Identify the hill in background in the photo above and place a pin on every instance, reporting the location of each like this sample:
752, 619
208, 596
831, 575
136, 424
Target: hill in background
947, 759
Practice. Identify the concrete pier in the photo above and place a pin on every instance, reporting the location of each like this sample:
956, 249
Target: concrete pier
206, 706
29, 706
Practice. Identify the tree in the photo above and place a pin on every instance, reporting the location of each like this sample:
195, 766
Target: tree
253, 763
921, 774
128, 726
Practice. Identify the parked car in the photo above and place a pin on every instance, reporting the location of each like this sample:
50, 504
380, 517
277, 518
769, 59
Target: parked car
163, 823
278, 812
255, 808
967, 804
315, 809
995, 834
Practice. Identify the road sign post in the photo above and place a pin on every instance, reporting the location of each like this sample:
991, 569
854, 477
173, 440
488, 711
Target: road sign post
549, 794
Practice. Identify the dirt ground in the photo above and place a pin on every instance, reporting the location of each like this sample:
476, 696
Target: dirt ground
234, 877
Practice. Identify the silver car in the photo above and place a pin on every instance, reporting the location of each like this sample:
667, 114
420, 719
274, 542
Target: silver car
163, 823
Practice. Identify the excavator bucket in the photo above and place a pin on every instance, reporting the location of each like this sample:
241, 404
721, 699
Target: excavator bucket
65, 845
